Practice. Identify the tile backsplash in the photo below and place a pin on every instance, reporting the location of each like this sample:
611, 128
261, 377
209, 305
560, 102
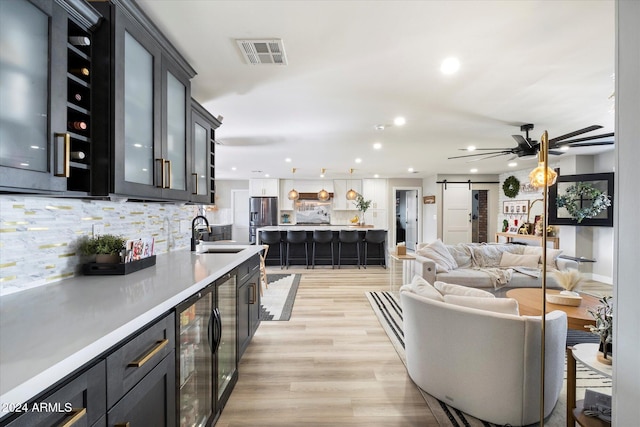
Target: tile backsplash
39, 235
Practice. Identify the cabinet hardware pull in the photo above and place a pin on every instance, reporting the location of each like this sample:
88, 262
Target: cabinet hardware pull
127, 424
167, 184
252, 297
195, 179
66, 154
144, 359
161, 183
76, 414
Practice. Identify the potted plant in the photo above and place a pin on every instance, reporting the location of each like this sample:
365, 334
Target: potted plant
603, 315
569, 279
362, 206
106, 248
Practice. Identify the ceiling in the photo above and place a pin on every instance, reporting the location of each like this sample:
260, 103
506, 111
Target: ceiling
353, 65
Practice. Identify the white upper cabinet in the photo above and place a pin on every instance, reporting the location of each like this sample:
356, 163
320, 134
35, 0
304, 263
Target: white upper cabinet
340, 188
268, 187
376, 191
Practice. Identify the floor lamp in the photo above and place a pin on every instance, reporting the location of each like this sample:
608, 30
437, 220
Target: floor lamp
543, 177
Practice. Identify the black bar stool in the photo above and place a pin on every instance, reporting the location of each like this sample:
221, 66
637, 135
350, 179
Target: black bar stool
273, 238
297, 237
348, 237
321, 237
376, 237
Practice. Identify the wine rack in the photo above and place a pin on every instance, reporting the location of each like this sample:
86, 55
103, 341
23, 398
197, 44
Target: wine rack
212, 165
79, 107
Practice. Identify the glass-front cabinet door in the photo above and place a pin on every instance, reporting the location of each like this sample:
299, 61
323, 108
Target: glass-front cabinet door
227, 373
195, 362
33, 36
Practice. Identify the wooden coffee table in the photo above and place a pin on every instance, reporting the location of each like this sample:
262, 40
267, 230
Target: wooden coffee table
530, 304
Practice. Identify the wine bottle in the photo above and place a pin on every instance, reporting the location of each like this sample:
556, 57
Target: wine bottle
79, 40
77, 155
78, 125
83, 72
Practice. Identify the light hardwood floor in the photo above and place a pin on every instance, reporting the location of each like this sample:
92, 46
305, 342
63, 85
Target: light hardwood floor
330, 365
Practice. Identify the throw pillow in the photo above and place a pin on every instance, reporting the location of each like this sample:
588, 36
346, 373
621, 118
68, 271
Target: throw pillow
497, 305
451, 289
514, 260
489, 255
552, 254
423, 288
438, 253
461, 254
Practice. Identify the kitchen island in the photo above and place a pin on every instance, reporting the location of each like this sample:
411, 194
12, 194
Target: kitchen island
50, 332
297, 252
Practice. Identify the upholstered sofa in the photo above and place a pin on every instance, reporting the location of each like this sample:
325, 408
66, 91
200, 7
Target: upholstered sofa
484, 363
490, 266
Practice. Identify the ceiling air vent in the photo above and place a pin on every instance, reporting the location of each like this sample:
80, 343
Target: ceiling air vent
266, 51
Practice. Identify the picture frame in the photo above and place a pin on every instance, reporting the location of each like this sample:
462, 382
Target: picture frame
601, 181
515, 207
513, 229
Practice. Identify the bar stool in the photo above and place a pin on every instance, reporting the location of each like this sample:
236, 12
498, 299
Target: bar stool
297, 237
321, 237
273, 237
348, 237
376, 237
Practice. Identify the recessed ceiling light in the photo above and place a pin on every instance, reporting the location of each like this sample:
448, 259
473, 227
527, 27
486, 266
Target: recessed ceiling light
399, 121
512, 164
233, 168
410, 170
137, 145
358, 160
288, 160
471, 148
450, 66
266, 175
35, 147
376, 176
474, 170
377, 146
565, 148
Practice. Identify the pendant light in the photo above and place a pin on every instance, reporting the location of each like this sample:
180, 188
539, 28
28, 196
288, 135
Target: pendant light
293, 194
351, 194
323, 195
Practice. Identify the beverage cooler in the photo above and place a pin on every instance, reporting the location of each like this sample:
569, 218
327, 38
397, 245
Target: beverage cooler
206, 354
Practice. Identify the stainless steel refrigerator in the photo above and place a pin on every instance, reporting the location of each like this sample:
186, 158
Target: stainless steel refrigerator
263, 211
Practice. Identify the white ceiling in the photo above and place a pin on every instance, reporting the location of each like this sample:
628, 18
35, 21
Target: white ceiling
356, 64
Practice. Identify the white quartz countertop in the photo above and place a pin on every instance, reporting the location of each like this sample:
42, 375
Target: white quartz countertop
315, 227
48, 332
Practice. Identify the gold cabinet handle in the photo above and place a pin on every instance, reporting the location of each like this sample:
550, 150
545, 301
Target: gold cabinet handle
252, 296
66, 156
167, 184
144, 359
127, 424
155, 175
195, 182
76, 415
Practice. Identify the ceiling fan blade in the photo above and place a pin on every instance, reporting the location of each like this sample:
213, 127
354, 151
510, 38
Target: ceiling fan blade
592, 144
499, 153
522, 141
574, 133
589, 138
488, 157
484, 149
555, 152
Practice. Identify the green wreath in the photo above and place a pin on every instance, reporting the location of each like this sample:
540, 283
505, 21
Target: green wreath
511, 187
572, 199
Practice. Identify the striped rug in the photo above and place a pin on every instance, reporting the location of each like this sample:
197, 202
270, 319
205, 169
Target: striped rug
276, 302
389, 312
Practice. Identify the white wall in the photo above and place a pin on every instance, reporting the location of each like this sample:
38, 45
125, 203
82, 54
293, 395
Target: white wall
430, 212
626, 333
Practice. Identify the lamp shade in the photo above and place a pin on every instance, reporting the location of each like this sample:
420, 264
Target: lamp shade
323, 195
293, 194
352, 194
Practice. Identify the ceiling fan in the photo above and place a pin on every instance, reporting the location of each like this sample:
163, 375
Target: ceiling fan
527, 147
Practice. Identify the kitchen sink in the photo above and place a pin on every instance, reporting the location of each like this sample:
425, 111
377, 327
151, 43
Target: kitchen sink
220, 250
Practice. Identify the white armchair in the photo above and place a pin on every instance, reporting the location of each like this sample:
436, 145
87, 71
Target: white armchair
483, 363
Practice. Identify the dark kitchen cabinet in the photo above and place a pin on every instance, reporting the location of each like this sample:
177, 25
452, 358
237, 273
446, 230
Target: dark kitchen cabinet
39, 145
80, 401
203, 127
248, 302
142, 109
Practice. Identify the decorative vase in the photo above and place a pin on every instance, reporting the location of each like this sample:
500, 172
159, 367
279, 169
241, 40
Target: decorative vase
107, 258
361, 223
605, 353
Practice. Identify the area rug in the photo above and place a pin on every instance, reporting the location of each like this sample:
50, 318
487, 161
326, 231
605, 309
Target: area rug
389, 313
277, 299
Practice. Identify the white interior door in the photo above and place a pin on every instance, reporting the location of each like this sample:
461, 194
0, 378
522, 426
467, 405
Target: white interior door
411, 226
240, 208
456, 214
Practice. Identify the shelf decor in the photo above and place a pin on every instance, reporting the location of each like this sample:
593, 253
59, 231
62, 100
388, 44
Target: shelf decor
511, 187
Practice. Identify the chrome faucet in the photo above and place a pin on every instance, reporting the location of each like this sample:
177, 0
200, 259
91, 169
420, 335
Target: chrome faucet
194, 241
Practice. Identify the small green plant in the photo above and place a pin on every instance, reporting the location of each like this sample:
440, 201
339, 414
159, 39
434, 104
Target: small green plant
603, 315
361, 203
106, 244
